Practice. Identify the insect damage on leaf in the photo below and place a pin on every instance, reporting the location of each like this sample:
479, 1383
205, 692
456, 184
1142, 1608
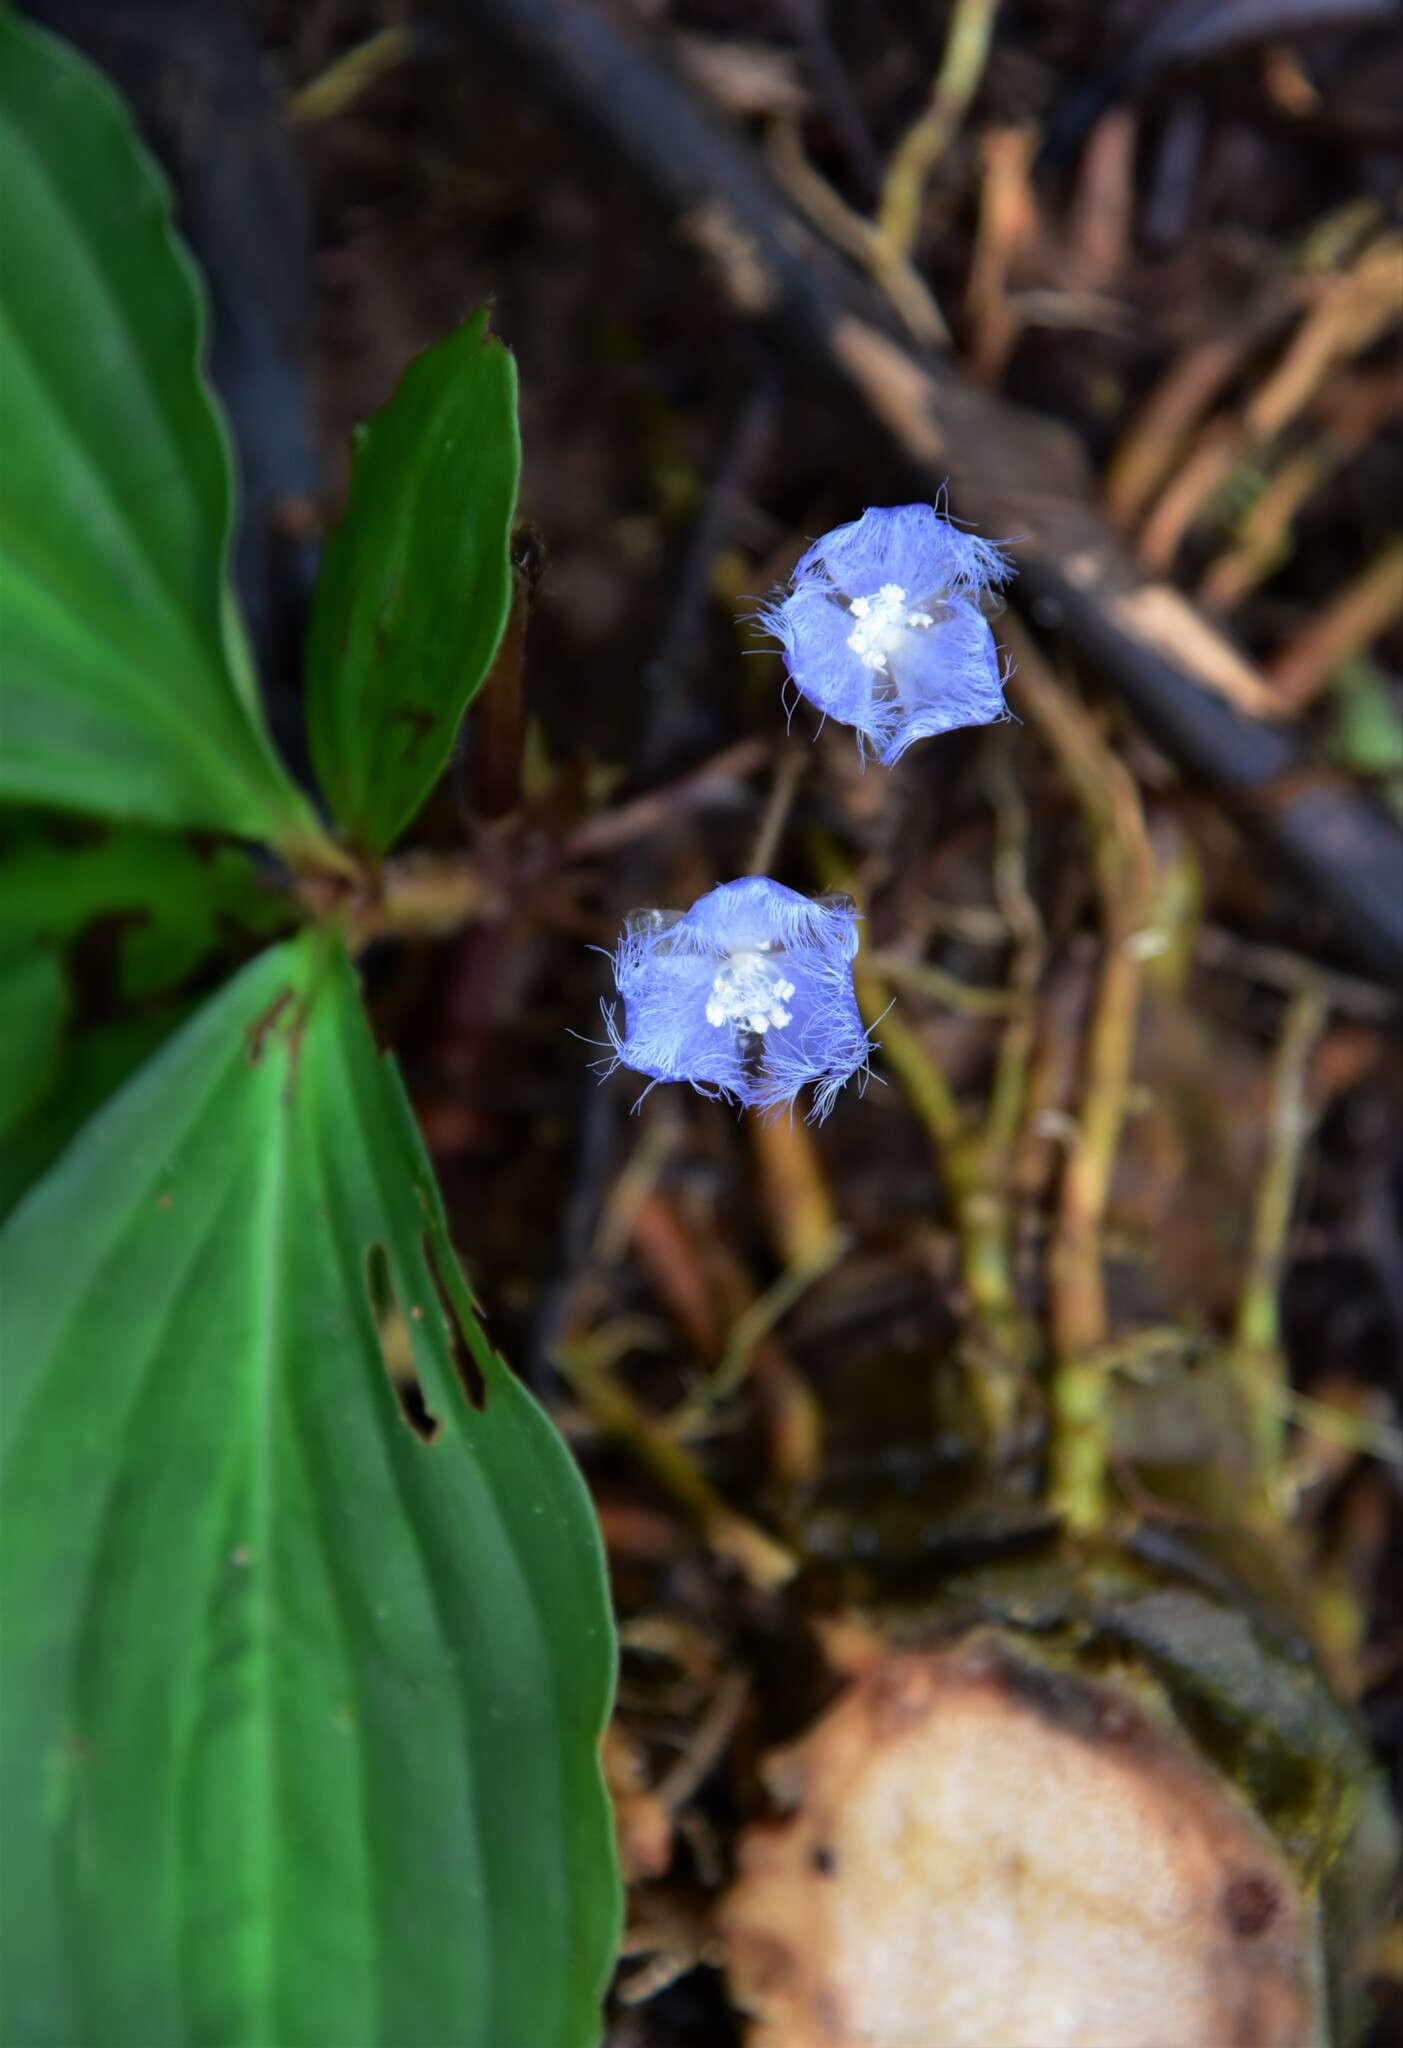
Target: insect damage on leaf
470, 1373
259, 1031
396, 1341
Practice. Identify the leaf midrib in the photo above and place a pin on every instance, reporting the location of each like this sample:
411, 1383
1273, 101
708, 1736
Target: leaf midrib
270, 1339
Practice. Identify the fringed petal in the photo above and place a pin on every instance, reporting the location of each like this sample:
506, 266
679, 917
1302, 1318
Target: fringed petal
946, 676
911, 545
687, 982
881, 627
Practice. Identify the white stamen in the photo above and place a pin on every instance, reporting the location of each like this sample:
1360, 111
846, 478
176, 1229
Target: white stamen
750, 991
883, 623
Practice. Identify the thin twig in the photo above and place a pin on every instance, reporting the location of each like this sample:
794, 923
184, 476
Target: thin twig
1350, 622
1343, 320
1348, 316
1007, 224
1353, 412
1124, 869
793, 1189
790, 773
587, 1364
924, 1085
646, 814
1256, 1358
1148, 449
1273, 965
341, 84
926, 141
748, 1331
1025, 926
888, 266
926, 979
1371, 1436
997, 1346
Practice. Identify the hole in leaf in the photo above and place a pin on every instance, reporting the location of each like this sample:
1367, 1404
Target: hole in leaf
468, 1369
397, 1345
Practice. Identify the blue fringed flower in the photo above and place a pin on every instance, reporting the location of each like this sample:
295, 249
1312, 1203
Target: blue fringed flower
882, 627
748, 995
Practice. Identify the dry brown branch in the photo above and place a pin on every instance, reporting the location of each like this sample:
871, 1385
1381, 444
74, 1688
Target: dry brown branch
1152, 442
1352, 311
612, 829
1008, 220
1350, 622
1352, 415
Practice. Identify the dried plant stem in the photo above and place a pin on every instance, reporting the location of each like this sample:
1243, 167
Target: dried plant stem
1256, 1358
997, 1352
789, 774
1353, 410
1205, 469
1354, 617
927, 139
797, 1204
337, 88
587, 1364
1227, 952
923, 978
712, 1298
422, 894
1263, 533
634, 820
925, 1087
1124, 870
1008, 224
747, 1334
1342, 320
1175, 407
1025, 927
888, 266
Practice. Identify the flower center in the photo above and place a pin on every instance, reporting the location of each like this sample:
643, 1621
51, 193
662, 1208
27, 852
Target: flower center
883, 622
750, 992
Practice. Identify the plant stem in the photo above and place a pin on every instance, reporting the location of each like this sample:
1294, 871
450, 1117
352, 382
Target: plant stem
758, 1556
1256, 1359
1124, 870
926, 141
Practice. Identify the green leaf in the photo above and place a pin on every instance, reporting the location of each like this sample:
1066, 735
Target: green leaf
415, 583
127, 686
33, 1000
164, 903
105, 934
301, 1711
87, 1064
